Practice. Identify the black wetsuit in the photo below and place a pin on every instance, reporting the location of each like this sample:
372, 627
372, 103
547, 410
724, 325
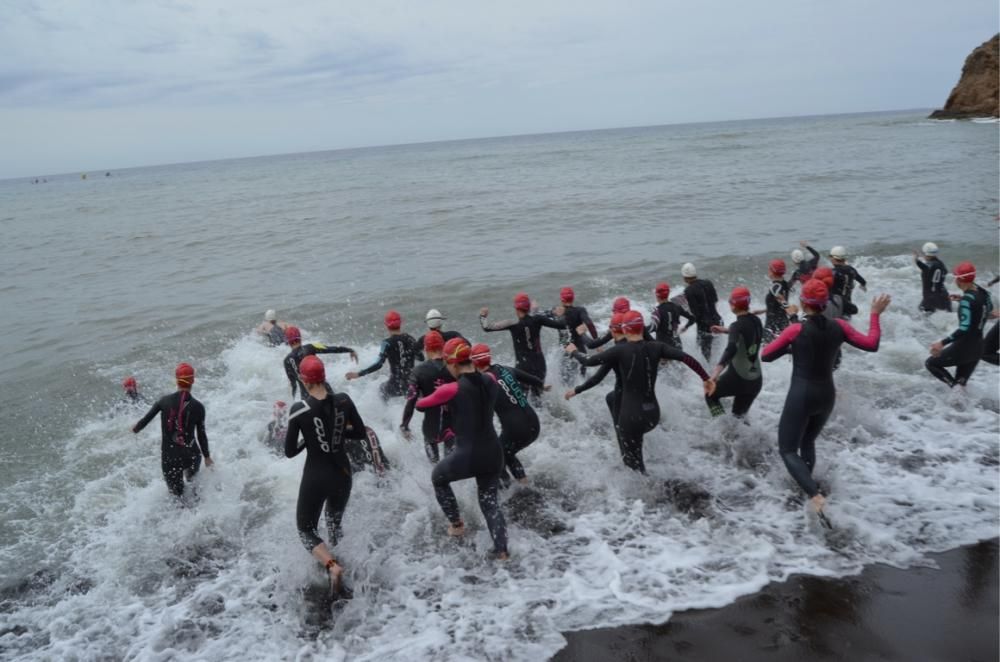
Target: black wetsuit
664, 321
639, 412
742, 379
426, 377
991, 346
182, 417
776, 301
401, 350
275, 336
701, 299
519, 425
932, 273
526, 336
814, 345
804, 270
324, 425
844, 277
477, 451
574, 316
295, 357
964, 347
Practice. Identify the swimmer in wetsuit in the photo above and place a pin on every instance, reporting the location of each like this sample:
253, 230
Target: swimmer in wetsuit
519, 425
803, 268
525, 332
272, 329
620, 306
132, 395
273, 436
299, 351
776, 306
637, 363
814, 344
401, 350
424, 379
182, 428
577, 322
435, 320
932, 273
742, 380
666, 317
844, 277
478, 454
702, 300
964, 347
325, 421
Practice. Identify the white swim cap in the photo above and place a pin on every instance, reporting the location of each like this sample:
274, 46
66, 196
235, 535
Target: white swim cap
797, 256
434, 318
688, 270
930, 248
838, 252
270, 316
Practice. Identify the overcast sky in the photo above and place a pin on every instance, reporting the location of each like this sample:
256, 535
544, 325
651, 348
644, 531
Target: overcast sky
92, 85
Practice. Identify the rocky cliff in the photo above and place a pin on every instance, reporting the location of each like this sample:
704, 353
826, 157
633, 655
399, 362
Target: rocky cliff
977, 93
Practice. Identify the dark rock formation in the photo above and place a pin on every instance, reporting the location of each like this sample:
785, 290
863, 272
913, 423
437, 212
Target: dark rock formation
977, 93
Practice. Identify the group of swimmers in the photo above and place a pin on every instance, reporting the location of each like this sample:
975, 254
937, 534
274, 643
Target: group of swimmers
459, 388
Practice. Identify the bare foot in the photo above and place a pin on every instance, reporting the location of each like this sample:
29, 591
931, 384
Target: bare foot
503, 556
456, 531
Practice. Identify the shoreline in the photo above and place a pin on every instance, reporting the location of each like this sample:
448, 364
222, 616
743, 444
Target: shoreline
946, 613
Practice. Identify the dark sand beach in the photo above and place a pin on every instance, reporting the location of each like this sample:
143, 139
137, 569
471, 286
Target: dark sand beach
949, 613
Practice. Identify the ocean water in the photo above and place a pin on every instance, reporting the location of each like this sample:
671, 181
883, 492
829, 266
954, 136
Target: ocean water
130, 274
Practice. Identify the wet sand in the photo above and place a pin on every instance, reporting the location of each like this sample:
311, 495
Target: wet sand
920, 614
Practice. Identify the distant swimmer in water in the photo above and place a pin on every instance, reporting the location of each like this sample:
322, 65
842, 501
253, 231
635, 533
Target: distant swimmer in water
471, 399
132, 395
637, 364
273, 329
666, 317
614, 398
964, 347
401, 350
435, 320
324, 421
932, 273
702, 300
814, 344
803, 268
577, 323
299, 351
741, 359
519, 425
273, 436
844, 278
525, 332
777, 308
182, 418
424, 379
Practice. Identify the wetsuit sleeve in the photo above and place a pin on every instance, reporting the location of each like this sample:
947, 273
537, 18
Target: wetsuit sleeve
495, 326
526, 377
293, 379
854, 337
920, 264
383, 351
608, 356
441, 395
814, 261
357, 425
292, 447
964, 322
144, 421
782, 344
858, 277
551, 322
654, 320
590, 324
668, 352
597, 342
320, 348
411, 400
730, 351
200, 431
593, 380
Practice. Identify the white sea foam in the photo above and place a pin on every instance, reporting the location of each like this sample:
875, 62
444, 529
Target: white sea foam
911, 466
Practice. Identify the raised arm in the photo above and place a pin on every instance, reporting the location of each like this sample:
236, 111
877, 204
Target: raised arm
868, 343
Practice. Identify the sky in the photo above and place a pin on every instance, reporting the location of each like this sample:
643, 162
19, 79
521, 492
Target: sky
105, 84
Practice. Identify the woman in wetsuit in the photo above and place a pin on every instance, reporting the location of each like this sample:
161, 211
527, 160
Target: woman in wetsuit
637, 363
470, 400
814, 345
742, 380
324, 420
964, 347
525, 332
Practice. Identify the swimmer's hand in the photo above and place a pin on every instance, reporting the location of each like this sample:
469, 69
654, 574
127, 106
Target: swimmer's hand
570, 393
715, 328
709, 385
354, 356
351, 375
547, 387
406, 433
570, 348
936, 348
209, 462
880, 303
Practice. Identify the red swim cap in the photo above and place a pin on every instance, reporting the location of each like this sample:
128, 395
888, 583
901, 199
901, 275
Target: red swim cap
433, 342
292, 334
184, 374
566, 295
129, 384
616, 322
778, 267
621, 305
663, 290
740, 298
480, 355
965, 272
393, 320
522, 302
632, 321
456, 350
815, 294
311, 370
824, 275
